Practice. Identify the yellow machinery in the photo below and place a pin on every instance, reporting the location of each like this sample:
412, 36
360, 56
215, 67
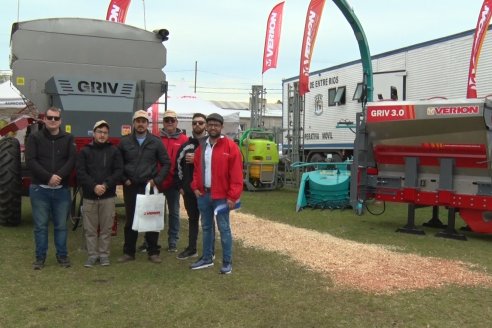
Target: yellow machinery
260, 158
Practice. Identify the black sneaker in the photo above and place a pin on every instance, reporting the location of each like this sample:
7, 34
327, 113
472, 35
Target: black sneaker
64, 261
38, 264
142, 248
172, 249
186, 254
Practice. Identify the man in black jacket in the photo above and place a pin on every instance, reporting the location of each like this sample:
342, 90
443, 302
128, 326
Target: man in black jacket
99, 170
143, 153
183, 177
50, 157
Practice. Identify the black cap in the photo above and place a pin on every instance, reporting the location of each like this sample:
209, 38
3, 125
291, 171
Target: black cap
215, 117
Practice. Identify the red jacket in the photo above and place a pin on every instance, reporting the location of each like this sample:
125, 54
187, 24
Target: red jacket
172, 143
227, 170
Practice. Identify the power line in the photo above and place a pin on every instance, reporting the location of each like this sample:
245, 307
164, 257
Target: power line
218, 88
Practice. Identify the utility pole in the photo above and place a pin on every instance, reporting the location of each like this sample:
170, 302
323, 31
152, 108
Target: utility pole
144, 15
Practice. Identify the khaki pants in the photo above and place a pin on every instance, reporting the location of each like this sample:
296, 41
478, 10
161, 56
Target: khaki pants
98, 213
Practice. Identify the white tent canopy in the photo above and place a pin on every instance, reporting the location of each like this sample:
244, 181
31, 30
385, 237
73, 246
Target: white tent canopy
10, 97
186, 105
11, 107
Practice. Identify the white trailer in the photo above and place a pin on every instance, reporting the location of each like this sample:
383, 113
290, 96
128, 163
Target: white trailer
437, 68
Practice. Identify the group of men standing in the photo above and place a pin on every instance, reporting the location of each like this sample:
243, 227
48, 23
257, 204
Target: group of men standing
206, 169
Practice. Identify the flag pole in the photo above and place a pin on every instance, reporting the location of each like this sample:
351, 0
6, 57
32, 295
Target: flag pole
196, 71
145, 21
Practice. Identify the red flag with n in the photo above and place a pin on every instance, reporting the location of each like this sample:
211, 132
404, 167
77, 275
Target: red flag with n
117, 10
272, 37
313, 18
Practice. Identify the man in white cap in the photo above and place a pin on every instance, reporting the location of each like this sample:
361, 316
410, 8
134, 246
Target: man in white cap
143, 154
172, 138
99, 170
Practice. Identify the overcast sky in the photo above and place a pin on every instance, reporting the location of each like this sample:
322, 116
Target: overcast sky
226, 37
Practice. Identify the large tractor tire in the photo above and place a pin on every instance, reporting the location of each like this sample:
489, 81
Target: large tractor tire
10, 182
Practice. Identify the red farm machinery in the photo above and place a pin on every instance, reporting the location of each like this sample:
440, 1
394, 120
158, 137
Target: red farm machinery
92, 70
424, 153
428, 153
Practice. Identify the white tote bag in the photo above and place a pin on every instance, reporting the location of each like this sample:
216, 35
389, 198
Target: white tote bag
149, 211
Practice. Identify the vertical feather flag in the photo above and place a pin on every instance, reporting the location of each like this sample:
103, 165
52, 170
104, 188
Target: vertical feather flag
479, 36
313, 18
155, 119
117, 10
272, 37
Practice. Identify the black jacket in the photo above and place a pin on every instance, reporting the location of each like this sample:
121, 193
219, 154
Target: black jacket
48, 154
140, 163
183, 175
99, 164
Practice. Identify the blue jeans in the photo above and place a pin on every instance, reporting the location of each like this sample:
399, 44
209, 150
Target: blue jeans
206, 205
50, 203
172, 200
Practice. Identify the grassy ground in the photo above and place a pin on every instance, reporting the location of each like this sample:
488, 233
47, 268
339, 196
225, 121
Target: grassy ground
265, 290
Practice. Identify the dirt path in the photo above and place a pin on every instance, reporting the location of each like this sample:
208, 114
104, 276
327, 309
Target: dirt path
367, 267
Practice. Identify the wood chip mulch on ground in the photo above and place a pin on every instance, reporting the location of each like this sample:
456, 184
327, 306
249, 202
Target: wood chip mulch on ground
367, 267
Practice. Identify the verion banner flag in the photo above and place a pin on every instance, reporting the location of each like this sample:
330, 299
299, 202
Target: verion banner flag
479, 36
117, 10
272, 37
313, 18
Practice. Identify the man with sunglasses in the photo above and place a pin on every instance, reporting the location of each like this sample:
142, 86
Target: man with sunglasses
183, 177
172, 137
217, 182
50, 157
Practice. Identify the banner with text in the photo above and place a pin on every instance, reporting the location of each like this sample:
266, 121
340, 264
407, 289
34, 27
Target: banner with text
313, 18
117, 10
272, 37
480, 32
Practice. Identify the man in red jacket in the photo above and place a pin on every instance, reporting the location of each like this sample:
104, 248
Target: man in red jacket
217, 183
172, 138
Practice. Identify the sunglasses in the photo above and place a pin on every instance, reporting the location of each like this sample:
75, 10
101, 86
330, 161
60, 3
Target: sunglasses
53, 118
169, 120
197, 123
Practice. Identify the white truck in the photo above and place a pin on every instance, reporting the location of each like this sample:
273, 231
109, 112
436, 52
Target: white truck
436, 68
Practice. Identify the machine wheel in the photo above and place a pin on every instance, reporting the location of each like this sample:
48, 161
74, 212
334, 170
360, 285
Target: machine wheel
336, 158
316, 158
10, 182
